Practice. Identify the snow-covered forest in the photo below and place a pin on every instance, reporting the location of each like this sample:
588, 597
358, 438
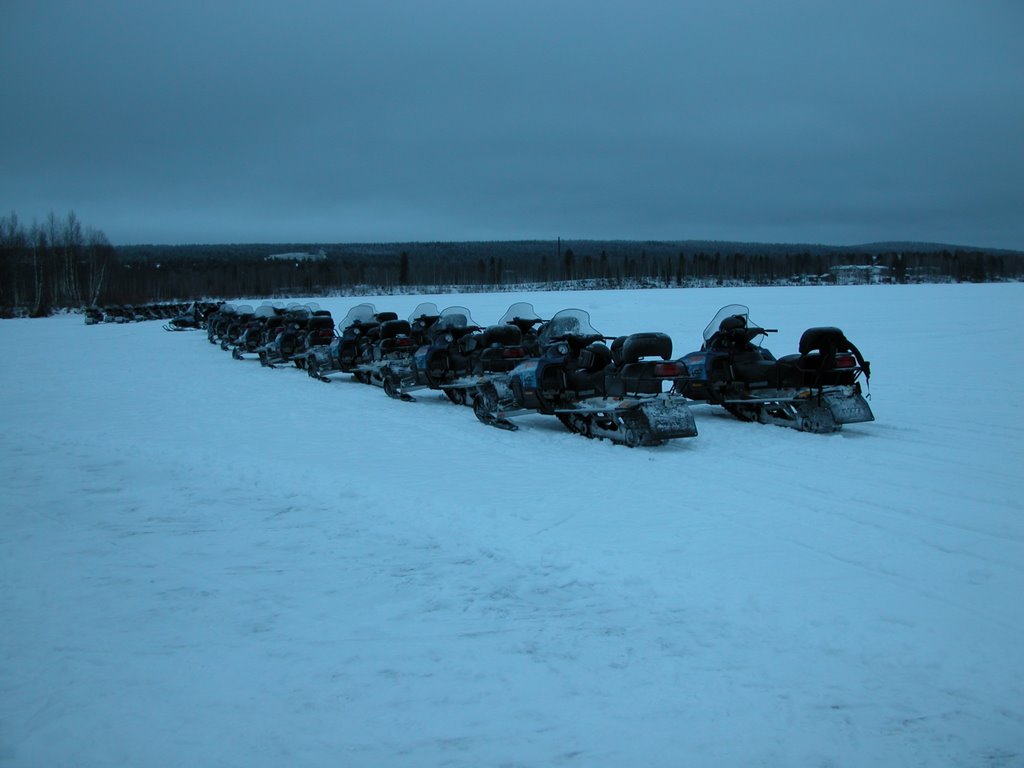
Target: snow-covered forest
62, 263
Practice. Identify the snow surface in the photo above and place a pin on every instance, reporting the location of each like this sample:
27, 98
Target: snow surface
208, 563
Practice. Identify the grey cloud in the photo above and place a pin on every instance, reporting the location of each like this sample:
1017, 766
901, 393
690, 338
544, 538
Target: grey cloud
455, 120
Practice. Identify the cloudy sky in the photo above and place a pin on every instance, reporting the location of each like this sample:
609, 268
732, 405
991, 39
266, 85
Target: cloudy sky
343, 120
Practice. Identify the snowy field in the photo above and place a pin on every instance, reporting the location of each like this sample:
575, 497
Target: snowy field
207, 563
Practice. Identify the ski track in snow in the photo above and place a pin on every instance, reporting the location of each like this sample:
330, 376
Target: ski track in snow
205, 562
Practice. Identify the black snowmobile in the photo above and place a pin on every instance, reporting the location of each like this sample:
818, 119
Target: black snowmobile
192, 317
219, 322
351, 347
496, 350
236, 326
253, 334
439, 355
319, 332
815, 390
324, 360
615, 393
289, 337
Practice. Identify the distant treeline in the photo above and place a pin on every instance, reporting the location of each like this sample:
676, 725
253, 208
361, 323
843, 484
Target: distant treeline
60, 264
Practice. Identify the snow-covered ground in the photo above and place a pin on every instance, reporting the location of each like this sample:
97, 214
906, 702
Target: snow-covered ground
203, 562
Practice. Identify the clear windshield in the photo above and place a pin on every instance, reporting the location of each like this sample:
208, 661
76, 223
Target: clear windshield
568, 322
729, 310
361, 313
454, 317
265, 310
521, 310
244, 309
426, 309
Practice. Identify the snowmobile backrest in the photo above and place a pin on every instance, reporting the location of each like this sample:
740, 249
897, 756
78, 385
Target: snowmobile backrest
638, 345
383, 317
392, 328
321, 321
617, 350
501, 335
826, 340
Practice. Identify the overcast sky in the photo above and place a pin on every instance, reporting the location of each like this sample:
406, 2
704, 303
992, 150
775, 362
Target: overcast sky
343, 120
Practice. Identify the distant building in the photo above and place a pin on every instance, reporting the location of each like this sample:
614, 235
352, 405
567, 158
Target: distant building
861, 274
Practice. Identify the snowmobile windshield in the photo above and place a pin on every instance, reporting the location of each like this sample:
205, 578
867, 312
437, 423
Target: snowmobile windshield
568, 322
726, 312
426, 309
454, 317
521, 310
361, 313
312, 306
244, 309
265, 311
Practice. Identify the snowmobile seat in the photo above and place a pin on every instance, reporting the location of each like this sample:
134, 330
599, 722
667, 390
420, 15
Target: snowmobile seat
392, 328
752, 367
394, 334
786, 373
360, 328
633, 379
638, 345
501, 336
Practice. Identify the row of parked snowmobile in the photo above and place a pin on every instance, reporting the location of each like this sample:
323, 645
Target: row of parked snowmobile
134, 313
628, 389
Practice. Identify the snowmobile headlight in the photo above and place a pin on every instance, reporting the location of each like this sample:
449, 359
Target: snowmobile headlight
449, 338
562, 349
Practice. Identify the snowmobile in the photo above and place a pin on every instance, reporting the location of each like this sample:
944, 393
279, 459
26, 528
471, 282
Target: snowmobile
816, 390
319, 332
194, 316
93, 315
615, 393
252, 335
219, 321
496, 350
288, 338
236, 326
116, 314
523, 316
442, 357
353, 347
